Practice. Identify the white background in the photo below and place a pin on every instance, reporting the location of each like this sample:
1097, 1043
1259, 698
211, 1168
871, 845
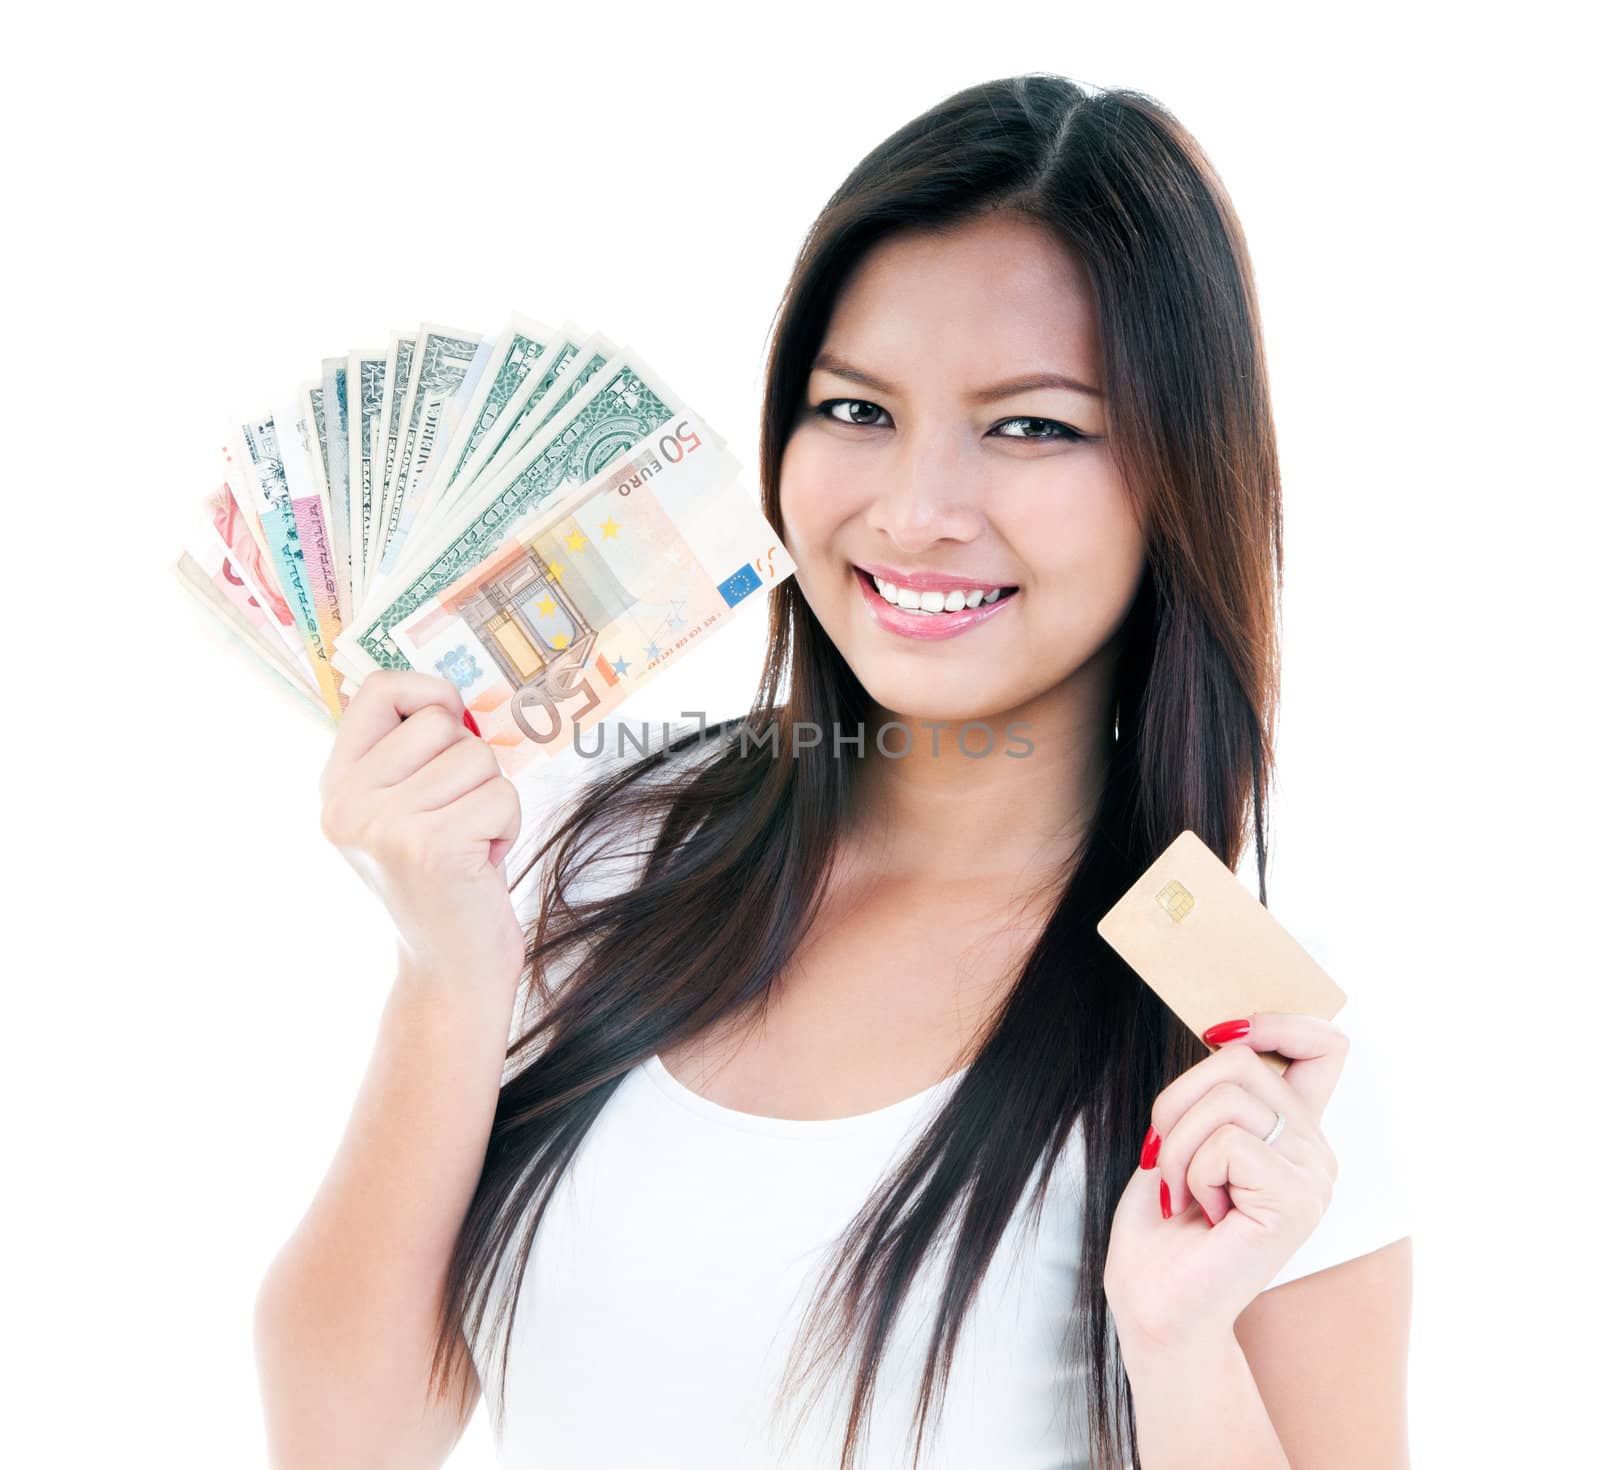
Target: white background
203, 205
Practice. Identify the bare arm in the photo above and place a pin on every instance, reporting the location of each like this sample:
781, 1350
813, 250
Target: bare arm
345, 1316
1312, 1376
1346, 1331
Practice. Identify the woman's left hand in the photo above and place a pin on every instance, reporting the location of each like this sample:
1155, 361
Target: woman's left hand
1170, 1281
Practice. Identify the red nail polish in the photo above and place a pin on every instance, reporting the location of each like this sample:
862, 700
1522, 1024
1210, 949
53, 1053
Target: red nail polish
1166, 1201
1209, 1220
1226, 1031
470, 723
1152, 1147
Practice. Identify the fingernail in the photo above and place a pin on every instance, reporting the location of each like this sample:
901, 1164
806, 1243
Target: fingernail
1166, 1201
1152, 1146
470, 723
1209, 1220
1226, 1031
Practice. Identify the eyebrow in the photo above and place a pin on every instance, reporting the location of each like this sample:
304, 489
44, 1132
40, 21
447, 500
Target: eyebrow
828, 362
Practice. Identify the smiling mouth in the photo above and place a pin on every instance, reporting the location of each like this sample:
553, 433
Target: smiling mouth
910, 601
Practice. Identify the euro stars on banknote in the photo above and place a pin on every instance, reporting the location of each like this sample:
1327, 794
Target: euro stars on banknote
535, 515
603, 407
591, 593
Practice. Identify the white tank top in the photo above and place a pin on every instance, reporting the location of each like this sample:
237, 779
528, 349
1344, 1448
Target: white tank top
671, 1271
681, 1249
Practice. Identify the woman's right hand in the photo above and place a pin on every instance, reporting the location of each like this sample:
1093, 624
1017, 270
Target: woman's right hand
419, 808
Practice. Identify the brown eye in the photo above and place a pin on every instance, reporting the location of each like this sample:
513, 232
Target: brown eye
852, 407
1041, 429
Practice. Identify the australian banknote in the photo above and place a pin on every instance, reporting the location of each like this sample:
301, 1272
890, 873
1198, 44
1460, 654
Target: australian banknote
369, 515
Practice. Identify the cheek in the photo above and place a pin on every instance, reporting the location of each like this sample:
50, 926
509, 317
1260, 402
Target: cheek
1114, 522
1111, 558
812, 497
1082, 545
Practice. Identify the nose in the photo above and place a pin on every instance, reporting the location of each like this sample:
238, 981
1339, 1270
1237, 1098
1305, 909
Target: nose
929, 492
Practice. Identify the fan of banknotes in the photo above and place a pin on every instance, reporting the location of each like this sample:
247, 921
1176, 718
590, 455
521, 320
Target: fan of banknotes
535, 516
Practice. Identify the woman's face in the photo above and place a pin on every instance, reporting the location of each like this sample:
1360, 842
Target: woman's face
917, 451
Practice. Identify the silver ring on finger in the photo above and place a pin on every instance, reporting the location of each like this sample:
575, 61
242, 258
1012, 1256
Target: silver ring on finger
1277, 1128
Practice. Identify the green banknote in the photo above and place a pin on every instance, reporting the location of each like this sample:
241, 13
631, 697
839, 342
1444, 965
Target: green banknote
589, 597
356, 505
607, 415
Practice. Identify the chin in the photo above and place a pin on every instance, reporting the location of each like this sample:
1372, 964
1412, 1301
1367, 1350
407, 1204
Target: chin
914, 697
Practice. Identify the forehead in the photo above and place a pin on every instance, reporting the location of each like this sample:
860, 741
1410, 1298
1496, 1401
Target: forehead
998, 294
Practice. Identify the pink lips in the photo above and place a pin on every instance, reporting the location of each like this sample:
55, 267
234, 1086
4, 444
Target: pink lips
927, 625
929, 581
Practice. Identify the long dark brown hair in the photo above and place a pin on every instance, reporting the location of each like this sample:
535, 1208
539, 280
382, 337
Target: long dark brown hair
736, 844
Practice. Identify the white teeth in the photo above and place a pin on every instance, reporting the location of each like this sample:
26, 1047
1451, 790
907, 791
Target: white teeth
933, 602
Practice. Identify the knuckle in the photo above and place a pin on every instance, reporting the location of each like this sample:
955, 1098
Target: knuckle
1226, 1060
1235, 1133
1161, 1116
1250, 1063
507, 804
377, 838
332, 821
1232, 1095
378, 686
469, 754
460, 759
436, 720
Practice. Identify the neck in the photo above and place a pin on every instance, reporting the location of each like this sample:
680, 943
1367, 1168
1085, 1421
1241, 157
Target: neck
938, 812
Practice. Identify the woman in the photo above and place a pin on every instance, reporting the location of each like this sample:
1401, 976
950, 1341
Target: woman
837, 1077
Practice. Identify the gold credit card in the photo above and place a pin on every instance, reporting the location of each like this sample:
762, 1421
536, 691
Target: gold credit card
1208, 947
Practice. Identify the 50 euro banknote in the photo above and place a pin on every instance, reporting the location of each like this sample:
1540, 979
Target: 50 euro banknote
589, 597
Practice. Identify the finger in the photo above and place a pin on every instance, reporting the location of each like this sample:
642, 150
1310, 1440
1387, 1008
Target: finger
1227, 1102
490, 812
1230, 1063
462, 767
1261, 1180
383, 701
1316, 1049
414, 742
